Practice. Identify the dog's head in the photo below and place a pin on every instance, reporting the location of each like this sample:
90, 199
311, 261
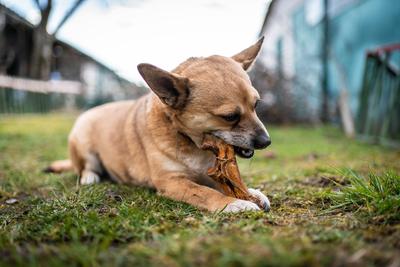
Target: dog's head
213, 95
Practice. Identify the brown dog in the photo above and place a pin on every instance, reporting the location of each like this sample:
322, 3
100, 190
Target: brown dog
154, 141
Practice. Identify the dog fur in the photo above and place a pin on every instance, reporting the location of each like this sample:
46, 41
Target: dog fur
154, 141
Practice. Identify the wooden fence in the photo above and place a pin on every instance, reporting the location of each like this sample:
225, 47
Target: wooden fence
19, 95
379, 111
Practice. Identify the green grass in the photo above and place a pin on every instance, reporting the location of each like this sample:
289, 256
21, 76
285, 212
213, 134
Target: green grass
57, 223
376, 197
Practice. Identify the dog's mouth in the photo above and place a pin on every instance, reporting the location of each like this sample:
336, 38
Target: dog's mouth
240, 151
243, 152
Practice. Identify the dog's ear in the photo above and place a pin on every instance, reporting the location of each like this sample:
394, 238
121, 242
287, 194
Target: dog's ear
247, 56
171, 88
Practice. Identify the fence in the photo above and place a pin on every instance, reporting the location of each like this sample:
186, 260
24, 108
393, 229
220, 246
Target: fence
18, 95
379, 111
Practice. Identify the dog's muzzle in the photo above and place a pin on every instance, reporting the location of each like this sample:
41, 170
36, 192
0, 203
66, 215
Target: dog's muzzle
243, 144
261, 141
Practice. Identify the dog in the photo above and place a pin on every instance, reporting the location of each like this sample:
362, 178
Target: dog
155, 141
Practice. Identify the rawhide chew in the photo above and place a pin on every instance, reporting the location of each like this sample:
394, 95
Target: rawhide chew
225, 170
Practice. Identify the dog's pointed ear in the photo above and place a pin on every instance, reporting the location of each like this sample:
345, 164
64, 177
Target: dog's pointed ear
247, 56
171, 88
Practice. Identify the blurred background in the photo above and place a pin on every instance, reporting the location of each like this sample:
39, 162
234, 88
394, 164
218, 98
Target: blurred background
323, 61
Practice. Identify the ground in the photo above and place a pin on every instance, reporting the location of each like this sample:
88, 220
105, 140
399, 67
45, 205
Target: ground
48, 220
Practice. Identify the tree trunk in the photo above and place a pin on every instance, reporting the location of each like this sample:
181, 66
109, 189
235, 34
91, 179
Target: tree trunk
41, 54
42, 50
42, 45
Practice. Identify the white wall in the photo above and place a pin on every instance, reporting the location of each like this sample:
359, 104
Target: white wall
280, 26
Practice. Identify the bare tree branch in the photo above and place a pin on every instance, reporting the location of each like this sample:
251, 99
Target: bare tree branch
38, 5
67, 15
46, 13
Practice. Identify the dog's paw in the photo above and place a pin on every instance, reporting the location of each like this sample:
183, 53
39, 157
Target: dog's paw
241, 205
89, 178
263, 198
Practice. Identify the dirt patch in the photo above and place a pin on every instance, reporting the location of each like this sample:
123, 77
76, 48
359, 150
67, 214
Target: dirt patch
111, 195
311, 157
269, 155
326, 181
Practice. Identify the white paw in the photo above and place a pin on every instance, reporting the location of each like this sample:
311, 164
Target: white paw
263, 198
240, 205
89, 178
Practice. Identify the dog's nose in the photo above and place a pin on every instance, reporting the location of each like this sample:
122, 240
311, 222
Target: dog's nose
261, 141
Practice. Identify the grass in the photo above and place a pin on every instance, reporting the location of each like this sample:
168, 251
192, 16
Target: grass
323, 214
376, 197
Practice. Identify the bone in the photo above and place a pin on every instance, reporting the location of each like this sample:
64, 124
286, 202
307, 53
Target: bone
226, 171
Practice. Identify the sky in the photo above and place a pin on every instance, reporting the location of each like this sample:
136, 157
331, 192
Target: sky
123, 33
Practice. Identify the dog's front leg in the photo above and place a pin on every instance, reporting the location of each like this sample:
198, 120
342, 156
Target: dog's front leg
177, 186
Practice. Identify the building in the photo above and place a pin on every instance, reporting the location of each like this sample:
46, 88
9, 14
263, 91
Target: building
317, 48
101, 84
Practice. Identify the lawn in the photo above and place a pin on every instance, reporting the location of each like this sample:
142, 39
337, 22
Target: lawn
335, 202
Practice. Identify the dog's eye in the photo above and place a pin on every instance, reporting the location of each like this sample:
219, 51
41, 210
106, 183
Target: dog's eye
231, 117
255, 104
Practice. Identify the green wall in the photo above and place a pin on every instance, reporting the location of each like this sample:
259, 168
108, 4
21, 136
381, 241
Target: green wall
360, 26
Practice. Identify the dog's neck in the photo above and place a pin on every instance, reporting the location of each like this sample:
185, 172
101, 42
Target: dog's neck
174, 125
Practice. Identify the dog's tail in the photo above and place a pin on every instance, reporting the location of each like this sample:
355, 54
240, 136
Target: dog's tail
59, 166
